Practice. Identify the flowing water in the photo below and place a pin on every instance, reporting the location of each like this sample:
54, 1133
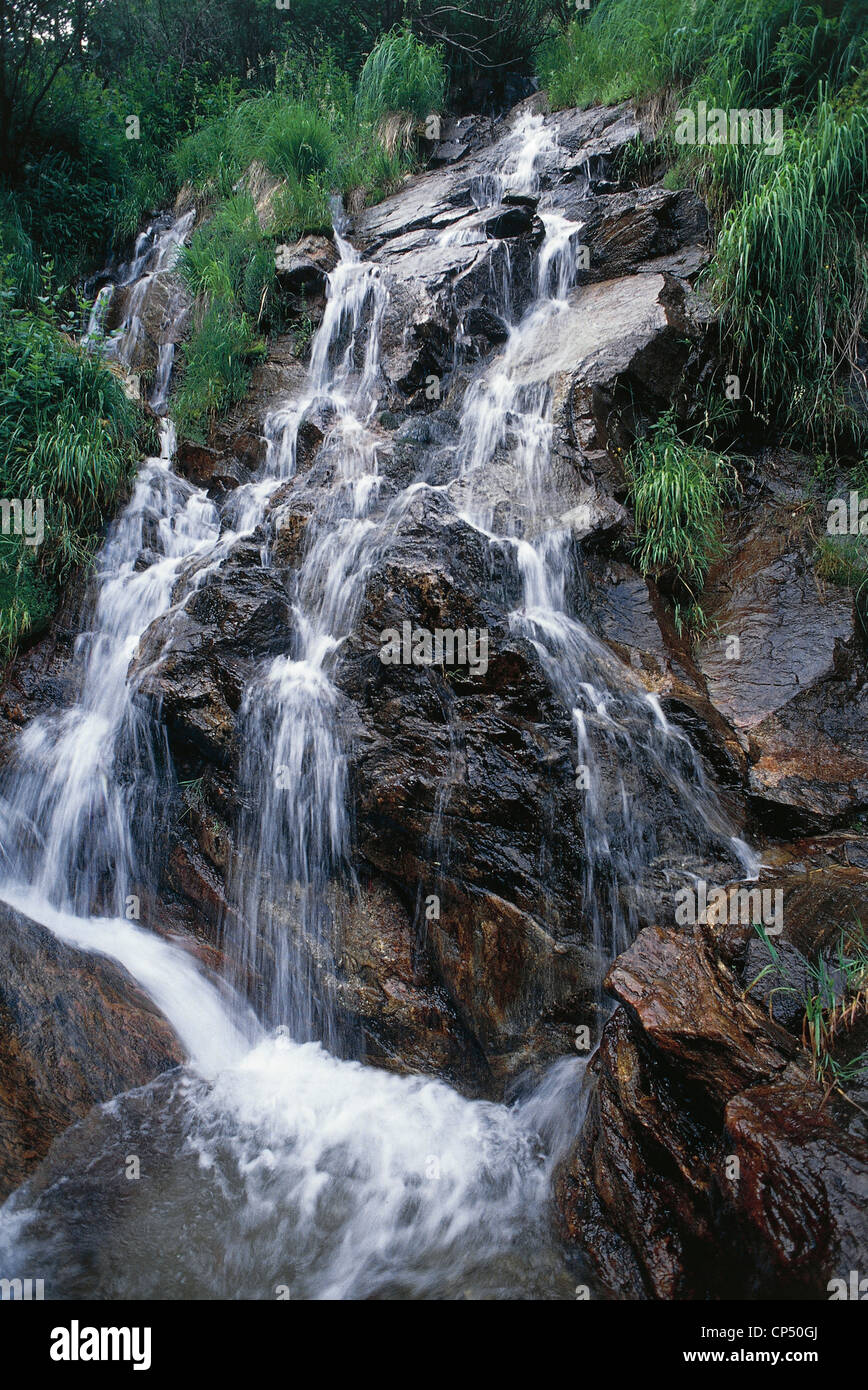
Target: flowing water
272, 1162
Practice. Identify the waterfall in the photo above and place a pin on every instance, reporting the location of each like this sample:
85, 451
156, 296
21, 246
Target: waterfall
80, 799
293, 841
280, 1161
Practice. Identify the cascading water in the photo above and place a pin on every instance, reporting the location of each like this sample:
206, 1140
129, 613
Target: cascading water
282, 1164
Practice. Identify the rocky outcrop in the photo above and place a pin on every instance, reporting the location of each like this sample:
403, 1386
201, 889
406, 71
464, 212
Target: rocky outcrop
786, 666
711, 1164
194, 662
74, 1031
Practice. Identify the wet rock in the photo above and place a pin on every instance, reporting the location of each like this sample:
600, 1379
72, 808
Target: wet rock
194, 661
687, 1006
460, 136
486, 755
482, 322
210, 468
387, 986
802, 1194
645, 231
304, 267
441, 256
708, 1165
74, 1032
797, 688
162, 308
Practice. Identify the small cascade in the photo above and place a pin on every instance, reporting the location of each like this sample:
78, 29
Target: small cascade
79, 800
156, 253
160, 393
95, 331
293, 841
621, 731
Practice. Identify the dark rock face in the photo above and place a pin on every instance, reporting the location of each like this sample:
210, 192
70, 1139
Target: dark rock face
463, 787
194, 662
645, 231
74, 1031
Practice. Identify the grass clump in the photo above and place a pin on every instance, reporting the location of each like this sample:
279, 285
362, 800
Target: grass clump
401, 74
67, 441
677, 491
835, 1003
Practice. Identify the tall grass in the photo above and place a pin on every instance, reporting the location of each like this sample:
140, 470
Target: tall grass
790, 275
677, 491
67, 439
401, 74
776, 49
791, 270
217, 365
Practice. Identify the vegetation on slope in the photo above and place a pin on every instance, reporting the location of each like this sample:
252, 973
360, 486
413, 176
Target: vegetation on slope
67, 450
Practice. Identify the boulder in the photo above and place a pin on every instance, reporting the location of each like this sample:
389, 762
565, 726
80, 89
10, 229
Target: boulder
194, 661
74, 1032
304, 267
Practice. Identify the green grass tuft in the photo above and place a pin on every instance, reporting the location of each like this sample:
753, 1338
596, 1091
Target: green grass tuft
401, 74
677, 491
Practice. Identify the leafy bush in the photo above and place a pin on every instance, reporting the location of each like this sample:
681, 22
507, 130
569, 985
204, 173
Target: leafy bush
401, 74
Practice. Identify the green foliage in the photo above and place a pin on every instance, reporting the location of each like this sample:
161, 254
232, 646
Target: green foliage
837, 1001
297, 143
834, 1003
230, 258
298, 208
401, 74
677, 491
774, 51
67, 438
217, 362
